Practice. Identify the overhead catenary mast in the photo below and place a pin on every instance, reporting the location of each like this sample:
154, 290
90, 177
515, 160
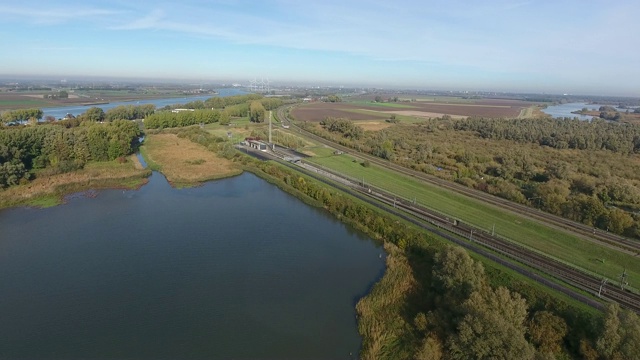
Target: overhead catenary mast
270, 142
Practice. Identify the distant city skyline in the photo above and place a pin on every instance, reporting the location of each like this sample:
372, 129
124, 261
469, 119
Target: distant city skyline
587, 48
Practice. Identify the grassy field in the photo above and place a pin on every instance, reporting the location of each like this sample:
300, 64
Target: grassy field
183, 162
11, 101
557, 243
45, 191
239, 128
26, 103
446, 99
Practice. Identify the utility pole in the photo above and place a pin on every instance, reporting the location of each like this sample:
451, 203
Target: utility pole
493, 230
602, 284
270, 142
471, 236
623, 279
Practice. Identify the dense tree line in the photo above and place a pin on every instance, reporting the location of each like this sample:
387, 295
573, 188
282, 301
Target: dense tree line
168, 119
342, 126
559, 133
215, 109
129, 112
62, 94
22, 115
587, 184
271, 103
332, 98
217, 102
238, 110
61, 149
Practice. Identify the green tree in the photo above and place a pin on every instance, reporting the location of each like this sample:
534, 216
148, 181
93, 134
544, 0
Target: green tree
333, 98
493, 327
547, 331
94, 114
256, 112
552, 195
454, 270
224, 118
430, 349
620, 336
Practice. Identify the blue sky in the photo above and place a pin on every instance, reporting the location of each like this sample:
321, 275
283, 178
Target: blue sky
580, 47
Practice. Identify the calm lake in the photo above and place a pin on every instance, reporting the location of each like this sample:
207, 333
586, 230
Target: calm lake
565, 110
235, 268
61, 112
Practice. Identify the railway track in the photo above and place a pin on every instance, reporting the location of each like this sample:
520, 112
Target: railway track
480, 242
521, 254
604, 238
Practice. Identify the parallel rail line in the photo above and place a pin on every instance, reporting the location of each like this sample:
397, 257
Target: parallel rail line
419, 215
605, 238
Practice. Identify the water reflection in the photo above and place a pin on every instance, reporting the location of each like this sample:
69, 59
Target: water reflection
234, 268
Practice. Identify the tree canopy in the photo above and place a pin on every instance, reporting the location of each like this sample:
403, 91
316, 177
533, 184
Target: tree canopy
62, 149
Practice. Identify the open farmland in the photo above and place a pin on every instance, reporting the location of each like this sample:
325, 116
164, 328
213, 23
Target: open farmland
34, 99
10, 101
319, 111
487, 108
14, 100
315, 112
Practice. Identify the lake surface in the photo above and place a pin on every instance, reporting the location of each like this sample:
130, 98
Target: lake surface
565, 110
61, 112
235, 268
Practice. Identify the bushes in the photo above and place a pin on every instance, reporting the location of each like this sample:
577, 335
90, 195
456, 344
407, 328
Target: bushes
168, 119
62, 149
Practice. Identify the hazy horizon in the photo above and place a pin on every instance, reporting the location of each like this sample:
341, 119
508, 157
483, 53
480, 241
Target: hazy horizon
502, 46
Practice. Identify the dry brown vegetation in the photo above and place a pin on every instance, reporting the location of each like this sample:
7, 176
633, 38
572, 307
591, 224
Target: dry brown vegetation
373, 125
183, 162
94, 176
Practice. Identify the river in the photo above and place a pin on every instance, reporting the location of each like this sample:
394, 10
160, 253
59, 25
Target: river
235, 268
61, 112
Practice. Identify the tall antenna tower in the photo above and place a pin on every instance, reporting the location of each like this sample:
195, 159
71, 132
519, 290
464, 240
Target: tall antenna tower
261, 86
253, 85
270, 142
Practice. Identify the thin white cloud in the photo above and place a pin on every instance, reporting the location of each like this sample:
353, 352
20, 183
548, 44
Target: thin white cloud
498, 36
51, 16
151, 21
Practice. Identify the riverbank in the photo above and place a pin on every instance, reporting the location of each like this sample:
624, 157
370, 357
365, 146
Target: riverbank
400, 316
183, 162
18, 100
46, 191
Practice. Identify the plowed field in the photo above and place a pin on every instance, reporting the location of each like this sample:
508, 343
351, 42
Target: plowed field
483, 107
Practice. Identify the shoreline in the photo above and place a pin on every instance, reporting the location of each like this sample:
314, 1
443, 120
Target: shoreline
49, 191
81, 101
